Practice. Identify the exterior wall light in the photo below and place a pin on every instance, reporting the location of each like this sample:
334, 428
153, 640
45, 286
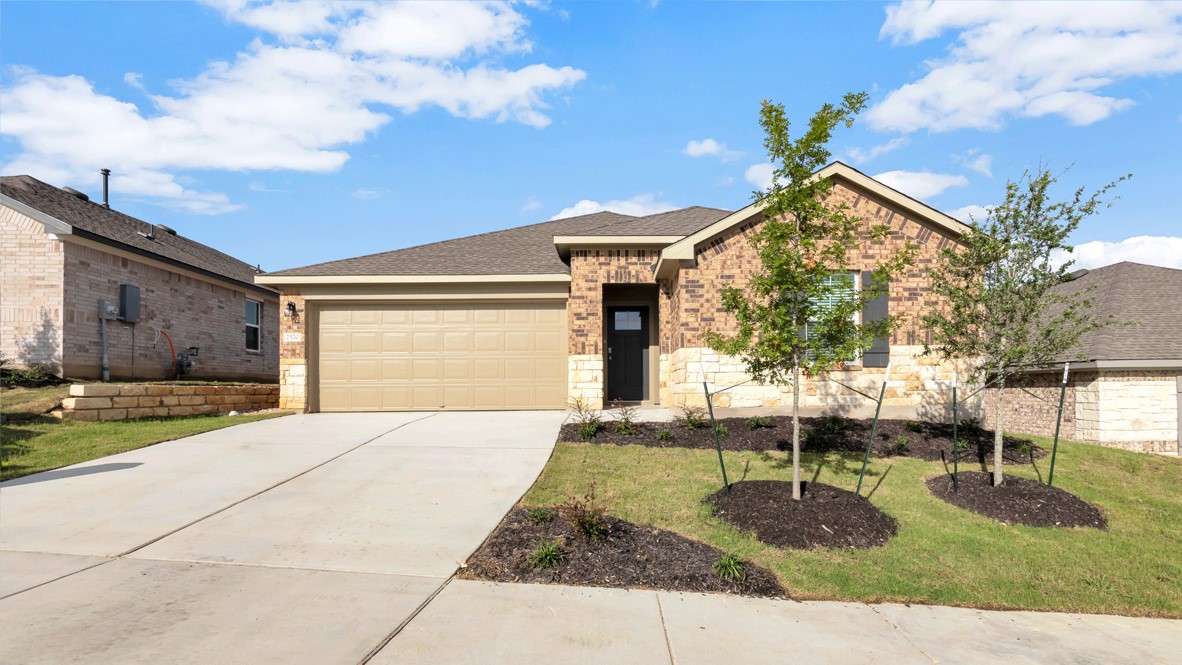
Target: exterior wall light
290, 310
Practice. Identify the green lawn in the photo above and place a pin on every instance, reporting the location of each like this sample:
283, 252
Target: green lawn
31, 442
942, 554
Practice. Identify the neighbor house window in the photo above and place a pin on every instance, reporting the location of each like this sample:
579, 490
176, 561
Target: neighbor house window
254, 317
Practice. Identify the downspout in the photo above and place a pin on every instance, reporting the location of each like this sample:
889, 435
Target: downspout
106, 359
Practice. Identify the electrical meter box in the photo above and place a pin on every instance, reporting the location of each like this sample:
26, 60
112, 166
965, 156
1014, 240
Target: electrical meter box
129, 302
108, 309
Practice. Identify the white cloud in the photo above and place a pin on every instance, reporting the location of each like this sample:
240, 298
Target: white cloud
531, 204
331, 81
860, 156
712, 148
637, 206
365, 194
921, 184
1026, 59
134, 79
760, 175
1163, 251
969, 213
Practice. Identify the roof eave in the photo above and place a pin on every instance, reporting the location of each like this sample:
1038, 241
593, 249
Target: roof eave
51, 224
292, 280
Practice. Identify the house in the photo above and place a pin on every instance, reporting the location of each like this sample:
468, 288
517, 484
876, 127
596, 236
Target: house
63, 253
597, 307
1127, 390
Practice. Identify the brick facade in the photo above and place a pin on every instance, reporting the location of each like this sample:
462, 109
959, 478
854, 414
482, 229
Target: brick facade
53, 294
293, 355
31, 285
1133, 410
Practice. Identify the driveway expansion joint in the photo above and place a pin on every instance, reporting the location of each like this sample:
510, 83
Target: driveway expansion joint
901, 632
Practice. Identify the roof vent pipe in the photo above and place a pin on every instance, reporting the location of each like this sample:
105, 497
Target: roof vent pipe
106, 175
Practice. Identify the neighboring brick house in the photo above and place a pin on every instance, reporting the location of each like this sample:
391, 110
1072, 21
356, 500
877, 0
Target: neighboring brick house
62, 253
1127, 390
597, 307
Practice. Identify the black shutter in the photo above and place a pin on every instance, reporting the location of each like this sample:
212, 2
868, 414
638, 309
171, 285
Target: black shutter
876, 310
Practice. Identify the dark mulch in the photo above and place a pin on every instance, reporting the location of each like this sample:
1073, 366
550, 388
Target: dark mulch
825, 435
825, 516
630, 556
1018, 501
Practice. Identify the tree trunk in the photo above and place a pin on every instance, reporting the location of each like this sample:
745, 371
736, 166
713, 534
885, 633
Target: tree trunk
998, 434
796, 432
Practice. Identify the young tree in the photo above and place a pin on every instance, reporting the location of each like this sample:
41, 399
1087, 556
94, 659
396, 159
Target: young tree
1001, 309
799, 313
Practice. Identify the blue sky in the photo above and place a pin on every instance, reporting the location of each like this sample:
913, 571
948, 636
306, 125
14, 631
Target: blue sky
294, 133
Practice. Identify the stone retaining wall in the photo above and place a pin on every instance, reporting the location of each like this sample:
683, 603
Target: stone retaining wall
126, 401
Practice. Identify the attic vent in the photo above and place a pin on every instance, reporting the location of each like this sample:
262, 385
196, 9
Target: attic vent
151, 235
75, 193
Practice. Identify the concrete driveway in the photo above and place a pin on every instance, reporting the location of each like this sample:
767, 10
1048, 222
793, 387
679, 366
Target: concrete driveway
308, 538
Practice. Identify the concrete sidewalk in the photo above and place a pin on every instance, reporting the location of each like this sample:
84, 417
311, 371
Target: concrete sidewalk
481, 622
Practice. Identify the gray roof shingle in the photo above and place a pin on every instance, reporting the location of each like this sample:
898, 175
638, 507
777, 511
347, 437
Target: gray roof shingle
524, 250
1150, 297
113, 225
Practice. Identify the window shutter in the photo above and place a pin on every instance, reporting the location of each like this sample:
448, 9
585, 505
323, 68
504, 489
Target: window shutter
876, 310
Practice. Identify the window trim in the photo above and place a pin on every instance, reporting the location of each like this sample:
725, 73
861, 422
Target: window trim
257, 326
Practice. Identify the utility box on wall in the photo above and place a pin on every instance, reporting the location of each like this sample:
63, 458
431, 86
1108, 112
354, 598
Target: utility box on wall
129, 303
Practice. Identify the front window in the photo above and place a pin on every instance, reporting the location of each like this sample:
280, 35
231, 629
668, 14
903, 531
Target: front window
254, 318
841, 288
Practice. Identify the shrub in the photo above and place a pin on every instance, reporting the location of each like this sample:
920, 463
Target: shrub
586, 516
913, 426
692, 417
731, 568
962, 445
587, 420
546, 555
901, 443
836, 423
664, 434
33, 375
720, 429
625, 420
1024, 448
758, 422
970, 424
540, 516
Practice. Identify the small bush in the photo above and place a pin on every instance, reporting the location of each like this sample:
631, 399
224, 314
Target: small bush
664, 434
548, 554
587, 420
836, 424
540, 516
758, 422
913, 426
731, 568
33, 375
692, 417
971, 424
720, 429
1024, 448
962, 445
586, 516
625, 420
901, 443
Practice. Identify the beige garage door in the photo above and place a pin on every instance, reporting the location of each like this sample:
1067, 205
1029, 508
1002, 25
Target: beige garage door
404, 357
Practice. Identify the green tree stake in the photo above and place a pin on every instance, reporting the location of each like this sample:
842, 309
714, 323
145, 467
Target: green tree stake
877, 409
1058, 421
714, 428
955, 443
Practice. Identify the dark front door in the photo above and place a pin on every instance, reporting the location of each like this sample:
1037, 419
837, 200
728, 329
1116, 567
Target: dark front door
627, 353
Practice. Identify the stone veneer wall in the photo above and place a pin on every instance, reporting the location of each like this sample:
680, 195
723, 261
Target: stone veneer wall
30, 292
1133, 410
919, 385
128, 401
293, 356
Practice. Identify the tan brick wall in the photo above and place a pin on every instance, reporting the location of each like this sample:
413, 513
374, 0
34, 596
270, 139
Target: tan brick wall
30, 292
112, 401
1133, 410
193, 311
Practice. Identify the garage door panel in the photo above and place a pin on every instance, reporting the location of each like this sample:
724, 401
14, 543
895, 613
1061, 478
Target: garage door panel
454, 356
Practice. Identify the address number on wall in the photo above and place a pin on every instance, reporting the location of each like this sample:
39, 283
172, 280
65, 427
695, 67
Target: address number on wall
292, 337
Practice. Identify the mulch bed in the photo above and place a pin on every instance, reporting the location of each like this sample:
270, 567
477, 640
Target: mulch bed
825, 516
1018, 501
629, 556
932, 442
